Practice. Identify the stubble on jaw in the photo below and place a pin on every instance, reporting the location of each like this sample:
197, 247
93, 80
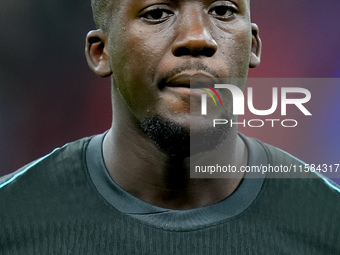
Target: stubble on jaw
178, 142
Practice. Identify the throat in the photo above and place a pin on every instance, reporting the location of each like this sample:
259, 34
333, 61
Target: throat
149, 174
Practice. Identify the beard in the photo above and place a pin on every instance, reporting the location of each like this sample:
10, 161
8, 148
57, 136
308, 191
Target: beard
177, 141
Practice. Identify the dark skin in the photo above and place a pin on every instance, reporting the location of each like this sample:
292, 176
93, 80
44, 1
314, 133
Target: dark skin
146, 41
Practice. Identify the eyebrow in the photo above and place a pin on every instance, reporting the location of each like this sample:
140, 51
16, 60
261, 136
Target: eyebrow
237, 2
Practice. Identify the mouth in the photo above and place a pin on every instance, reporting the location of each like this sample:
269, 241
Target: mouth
188, 80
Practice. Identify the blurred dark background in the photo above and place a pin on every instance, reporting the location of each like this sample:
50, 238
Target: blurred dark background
49, 96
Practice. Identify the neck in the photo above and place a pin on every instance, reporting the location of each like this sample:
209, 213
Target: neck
140, 168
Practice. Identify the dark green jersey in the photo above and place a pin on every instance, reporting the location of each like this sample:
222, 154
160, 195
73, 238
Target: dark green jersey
66, 203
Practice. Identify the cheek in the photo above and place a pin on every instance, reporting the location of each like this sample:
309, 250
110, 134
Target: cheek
235, 47
242, 50
138, 52
134, 61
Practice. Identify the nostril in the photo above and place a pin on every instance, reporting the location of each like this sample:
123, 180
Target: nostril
208, 52
181, 51
195, 51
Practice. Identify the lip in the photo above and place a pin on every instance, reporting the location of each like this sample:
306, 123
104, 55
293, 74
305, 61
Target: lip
183, 79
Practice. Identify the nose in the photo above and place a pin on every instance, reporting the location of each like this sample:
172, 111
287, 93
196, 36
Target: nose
194, 38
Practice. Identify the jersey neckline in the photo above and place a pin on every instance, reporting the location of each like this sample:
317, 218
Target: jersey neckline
170, 219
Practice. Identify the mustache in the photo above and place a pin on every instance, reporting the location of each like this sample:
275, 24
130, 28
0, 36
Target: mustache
190, 66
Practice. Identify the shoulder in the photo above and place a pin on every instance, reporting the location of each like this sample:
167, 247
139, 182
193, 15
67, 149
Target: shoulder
67, 158
53, 192
306, 203
297, 188
291, 180
277, 156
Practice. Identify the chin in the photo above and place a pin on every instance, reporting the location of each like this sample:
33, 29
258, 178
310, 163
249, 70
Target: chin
180, 139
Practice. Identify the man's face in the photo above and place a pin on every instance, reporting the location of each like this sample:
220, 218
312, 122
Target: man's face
156, 46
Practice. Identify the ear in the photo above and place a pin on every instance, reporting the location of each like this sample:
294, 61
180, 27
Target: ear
96, 53
256, 47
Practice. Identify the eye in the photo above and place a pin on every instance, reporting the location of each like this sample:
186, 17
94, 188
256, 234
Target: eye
223, 11
157, 15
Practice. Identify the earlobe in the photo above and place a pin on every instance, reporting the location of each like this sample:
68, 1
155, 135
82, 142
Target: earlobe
256, 46
96, 53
